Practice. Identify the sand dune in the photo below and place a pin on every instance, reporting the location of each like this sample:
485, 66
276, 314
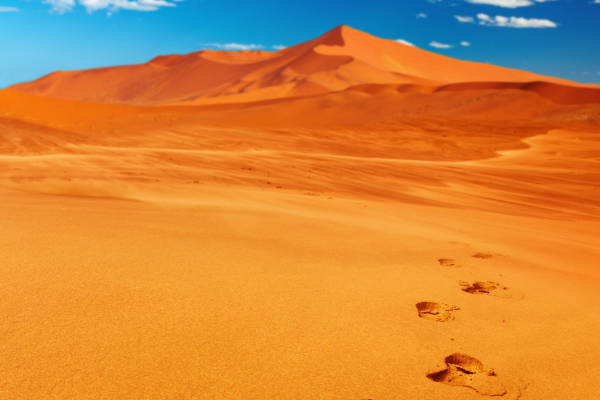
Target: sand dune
339, 59
355, 223
557, 93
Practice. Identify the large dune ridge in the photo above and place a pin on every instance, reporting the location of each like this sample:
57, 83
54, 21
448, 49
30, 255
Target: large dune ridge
362, 223
341, 58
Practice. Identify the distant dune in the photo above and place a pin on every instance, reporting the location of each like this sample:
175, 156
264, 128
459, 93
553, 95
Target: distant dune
339, 59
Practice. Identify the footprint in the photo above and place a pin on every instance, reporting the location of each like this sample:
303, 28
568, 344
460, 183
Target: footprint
481, 287
447, 262
490, 288
467, 371
483, 256
436, 311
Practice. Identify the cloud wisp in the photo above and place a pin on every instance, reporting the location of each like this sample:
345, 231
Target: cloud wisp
465, 19
235, 46
62, 6
406, 42
242, 47
508, 3
9, 9
515, 22
465, 44
439, 45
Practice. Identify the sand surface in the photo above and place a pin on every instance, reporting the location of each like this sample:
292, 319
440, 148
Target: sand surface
381, 241
201, 282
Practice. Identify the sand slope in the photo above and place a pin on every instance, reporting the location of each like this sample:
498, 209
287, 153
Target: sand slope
339, 59
214, 291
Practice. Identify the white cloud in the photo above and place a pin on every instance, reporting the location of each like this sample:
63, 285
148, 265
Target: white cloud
439, 45
9, 9
235, 46
515, 22
421, 15
62, 6
464, 19
405, 42
240, 46
509, 3
466, 44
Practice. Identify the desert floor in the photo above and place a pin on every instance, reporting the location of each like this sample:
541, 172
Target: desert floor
288, 264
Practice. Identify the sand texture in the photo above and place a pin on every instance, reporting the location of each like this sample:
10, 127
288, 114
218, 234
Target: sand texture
430, 236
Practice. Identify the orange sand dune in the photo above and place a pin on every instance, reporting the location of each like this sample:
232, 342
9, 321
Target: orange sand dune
367, 239
333, 62
371, 104
559, 94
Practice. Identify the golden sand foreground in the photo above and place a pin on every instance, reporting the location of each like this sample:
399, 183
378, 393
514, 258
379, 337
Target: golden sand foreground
187, 290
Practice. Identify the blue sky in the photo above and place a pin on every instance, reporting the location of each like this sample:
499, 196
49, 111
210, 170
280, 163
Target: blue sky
551, 37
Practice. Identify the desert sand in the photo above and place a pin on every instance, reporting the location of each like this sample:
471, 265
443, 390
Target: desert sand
337, 220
